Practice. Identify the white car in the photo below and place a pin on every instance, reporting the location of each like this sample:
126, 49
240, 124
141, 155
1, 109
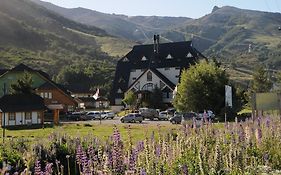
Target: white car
163, 115
107, 115
94, 115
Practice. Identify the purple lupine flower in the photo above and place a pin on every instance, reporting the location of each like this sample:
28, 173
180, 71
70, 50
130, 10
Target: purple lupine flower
241, 134
91, 151
37, 169
133, 160
140, 146
259, 121
142, 172
184, 169
84, 161
267, 122
259, 135
117, 157
48, 169
158, 151
79, 153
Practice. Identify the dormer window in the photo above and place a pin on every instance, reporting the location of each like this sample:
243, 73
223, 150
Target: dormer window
125, 59
119, 91
169, 57
143, 58
189, 55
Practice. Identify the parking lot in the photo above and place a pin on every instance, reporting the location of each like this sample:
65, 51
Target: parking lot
116, 120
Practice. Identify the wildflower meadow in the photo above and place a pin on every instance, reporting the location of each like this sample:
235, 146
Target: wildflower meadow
247, 147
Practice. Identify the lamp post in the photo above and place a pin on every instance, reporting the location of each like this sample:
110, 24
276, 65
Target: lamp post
101, 107
4, 120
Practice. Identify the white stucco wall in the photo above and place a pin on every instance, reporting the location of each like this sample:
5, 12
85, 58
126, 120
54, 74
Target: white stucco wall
170, 73
20, 119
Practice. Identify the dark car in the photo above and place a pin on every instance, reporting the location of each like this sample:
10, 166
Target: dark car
75, 116
183, 117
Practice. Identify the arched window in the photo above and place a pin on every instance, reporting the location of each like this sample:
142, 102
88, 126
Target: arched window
149, 76
148, 87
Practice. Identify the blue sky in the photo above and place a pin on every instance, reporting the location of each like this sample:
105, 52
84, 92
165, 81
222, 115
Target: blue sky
187, 8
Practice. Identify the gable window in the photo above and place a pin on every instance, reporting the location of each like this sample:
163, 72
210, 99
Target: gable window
125, 59
143, 58
12, 116
42, 94
169, 57
46, 95
189, 55
28, 116
119, 91
149, 76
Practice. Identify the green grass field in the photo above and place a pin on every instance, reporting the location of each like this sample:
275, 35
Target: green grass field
101, 131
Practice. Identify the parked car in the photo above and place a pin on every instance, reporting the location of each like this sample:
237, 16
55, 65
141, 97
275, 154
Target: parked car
149, 113
92, 115
107, 115
209, 114
176, 119
75, 116
163, 115
132, 117
183, 117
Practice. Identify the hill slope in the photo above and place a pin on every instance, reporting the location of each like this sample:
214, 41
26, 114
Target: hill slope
229, 34
42, 39
137, 28
237, 36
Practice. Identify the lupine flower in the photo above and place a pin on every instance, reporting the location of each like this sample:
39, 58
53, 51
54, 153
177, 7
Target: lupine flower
142, 172
49, 169
37, 168
184, 169
79, 153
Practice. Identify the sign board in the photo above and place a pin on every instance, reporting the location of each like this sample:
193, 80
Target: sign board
228, 96
267, 101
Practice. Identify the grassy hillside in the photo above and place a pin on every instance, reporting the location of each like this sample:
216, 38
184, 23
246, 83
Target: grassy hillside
42, 39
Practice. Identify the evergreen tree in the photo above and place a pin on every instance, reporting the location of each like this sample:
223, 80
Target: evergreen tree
156, 100
261, 82
23, 85
201, 87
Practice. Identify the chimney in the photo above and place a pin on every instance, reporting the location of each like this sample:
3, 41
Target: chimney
154, 43
157, 43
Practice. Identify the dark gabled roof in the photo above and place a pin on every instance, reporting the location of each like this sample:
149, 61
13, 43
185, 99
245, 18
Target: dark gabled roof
21, 103
183, 55
2, 71
21, 67
52, 85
